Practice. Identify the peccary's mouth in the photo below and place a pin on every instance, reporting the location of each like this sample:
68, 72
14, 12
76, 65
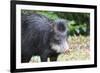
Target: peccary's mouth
59, 48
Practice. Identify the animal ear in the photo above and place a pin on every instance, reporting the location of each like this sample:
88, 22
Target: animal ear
60, 25
65, 22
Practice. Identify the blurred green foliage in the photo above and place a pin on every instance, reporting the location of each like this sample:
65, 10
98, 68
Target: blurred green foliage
78, 23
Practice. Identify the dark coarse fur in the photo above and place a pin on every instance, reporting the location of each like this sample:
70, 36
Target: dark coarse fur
36, 32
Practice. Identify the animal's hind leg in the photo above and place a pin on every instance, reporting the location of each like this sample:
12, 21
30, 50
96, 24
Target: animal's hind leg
25, 59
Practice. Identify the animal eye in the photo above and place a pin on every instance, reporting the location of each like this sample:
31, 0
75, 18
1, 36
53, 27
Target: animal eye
57, 36
57, 41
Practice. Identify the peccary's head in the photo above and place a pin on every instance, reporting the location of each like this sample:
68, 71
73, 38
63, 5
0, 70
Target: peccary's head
59, 39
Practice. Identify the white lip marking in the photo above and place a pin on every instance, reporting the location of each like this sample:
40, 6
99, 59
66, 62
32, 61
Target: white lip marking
60, 48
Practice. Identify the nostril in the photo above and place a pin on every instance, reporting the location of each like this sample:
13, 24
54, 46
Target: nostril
67, 51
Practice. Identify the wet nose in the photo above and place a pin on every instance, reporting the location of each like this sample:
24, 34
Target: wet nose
67, 51
66, 48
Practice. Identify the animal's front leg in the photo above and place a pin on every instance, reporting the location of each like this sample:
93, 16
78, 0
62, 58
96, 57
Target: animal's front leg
44, 58
44, 55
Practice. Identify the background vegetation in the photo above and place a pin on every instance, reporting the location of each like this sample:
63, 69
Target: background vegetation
78, 23
79, 33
